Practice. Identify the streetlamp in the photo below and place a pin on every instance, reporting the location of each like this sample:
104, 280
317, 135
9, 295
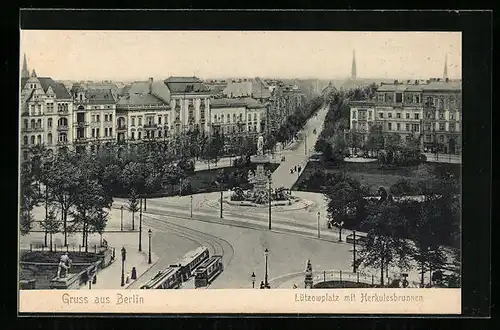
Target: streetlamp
150, 233
191, 205
253, 280
124, 257
319, 215
269, 197
354, 251
121, 218
140, 227
340, 230
266, 254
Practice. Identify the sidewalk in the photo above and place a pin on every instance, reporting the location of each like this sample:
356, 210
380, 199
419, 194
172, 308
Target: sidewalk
110, 277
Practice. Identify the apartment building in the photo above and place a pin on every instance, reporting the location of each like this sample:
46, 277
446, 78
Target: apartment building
428, 111
46, 107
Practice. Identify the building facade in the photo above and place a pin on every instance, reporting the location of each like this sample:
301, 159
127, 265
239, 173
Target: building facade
428, 111
46, 108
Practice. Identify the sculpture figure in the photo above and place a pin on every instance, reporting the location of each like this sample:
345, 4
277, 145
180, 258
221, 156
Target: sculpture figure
260, 146
64, 263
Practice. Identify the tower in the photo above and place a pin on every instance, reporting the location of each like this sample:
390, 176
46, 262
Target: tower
445, 73
25, 72
353, 69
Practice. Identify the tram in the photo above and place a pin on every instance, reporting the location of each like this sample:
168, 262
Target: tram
190, 261
169, 278
208, 271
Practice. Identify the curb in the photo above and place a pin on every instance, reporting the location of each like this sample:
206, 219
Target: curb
145, 271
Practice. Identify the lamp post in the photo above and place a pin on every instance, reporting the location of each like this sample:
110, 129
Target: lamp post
140, 227
121, 218
354, 251
150, 233
319, 214
340, 230
266, 254
253, 280
269, 198
191, 205
124, 257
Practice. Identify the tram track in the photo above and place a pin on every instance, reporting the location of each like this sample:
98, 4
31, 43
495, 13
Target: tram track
216, 245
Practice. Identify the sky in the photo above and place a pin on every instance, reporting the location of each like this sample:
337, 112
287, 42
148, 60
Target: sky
138, 55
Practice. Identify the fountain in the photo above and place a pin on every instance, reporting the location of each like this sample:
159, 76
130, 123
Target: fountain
261, 191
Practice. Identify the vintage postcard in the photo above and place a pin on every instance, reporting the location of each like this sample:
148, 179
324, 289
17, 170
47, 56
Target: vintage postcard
240, 172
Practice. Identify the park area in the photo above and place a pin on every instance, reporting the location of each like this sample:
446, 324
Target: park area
373, 175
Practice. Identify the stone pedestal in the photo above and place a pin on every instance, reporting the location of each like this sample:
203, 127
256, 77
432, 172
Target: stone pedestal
70, 282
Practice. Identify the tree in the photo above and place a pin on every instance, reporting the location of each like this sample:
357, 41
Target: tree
64, 184
28, 199
383, 244
133, 205
215, 147
50, 224
375, 141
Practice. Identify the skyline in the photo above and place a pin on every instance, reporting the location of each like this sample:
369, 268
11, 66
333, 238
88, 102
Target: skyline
224, 54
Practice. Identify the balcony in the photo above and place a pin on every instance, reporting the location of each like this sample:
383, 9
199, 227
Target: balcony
150, 126
62, 128
121, 128
80, 124
32, 129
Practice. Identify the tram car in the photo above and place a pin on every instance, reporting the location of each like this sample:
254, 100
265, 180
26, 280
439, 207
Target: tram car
169, 278
190, 261
208, 271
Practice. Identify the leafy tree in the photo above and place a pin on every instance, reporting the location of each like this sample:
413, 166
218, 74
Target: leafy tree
404, 187
133, 205
383, 244
28, 199
51, 225
64, 179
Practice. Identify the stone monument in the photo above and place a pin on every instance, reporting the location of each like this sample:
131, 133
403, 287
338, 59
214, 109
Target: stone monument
309, 275
260, 178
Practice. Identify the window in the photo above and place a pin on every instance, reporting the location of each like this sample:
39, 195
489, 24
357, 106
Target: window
381, 97
139, 120
159, 120
441, 127
417, 98
415, 128
441, 138
354, 114
381, 115
49, 139
452, 127
249, 117
417, 116
428, 127
398, 126
39, 109
398, 115
133, 121
33, 139
110, 116
97, 118
215, 119
97, 132
25, 140
254, 117
428, 138
33, 123
407, 115
369, 115
49, 122
452, 116
407, 127
139, 135
39, 139
110, 131
441, 115
63, 137
105, 117
399, 97
389, 114
389, 126
105, 131
133, 136
25, 155
241, 117
159, 134
26, 123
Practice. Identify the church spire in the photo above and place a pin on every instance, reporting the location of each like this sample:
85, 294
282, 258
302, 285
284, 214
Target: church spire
353, 69
445, 73
25, 72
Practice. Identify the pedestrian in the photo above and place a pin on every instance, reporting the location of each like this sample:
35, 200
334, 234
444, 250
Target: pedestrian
262, 286
300, 168
295, 168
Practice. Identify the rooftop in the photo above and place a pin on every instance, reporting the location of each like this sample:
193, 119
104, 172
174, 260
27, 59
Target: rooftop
100, 96
186, 85
236, 103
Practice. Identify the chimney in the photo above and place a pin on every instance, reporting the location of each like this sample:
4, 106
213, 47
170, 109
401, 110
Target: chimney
150, 85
